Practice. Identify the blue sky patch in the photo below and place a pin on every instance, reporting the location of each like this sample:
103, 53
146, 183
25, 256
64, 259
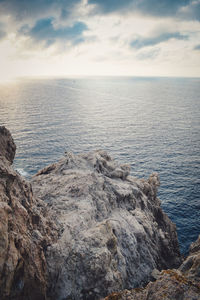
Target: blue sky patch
45, 30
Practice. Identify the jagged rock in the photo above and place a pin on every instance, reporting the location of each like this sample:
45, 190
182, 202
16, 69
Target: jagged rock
113, 230
176, 284
191, 265
7, 145
171, 285
25, 232
155, 274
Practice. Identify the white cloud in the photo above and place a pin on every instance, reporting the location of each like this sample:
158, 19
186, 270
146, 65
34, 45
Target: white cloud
105, 49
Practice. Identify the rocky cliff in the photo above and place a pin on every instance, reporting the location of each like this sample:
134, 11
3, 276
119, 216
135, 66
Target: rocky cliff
113, 230
88, 229
7, 146
25, 232
176, 284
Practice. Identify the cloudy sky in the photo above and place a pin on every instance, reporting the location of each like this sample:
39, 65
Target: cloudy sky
99, 37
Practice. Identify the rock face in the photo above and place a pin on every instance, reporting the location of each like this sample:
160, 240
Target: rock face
191, 265
110, 234
113, 230
7, 145
181, 284
25, 232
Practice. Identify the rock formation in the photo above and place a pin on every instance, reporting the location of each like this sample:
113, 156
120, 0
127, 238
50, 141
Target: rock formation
25, 232
113, 232
88, 229
7, 145
191, 265
176, 284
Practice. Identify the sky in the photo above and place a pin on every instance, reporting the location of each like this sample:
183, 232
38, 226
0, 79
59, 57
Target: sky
99, 37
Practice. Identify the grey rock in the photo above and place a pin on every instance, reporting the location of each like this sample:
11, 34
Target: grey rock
191, 265
155, 274
7, 145
170, 285
176, 284
113, 232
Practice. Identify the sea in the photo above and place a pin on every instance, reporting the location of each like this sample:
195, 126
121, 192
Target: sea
151, 123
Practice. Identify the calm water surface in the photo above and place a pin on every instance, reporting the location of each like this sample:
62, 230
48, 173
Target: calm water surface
151, 123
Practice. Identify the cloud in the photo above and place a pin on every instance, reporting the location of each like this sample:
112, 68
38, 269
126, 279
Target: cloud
117, 35
49, 21
109, 6
146, 55
2, 34
161, 7
43, 21
197, 47
44, 30
189, 9
151, 41
19, 13
26, 10
154, 7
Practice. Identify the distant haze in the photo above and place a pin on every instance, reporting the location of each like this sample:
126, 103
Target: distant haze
99, 37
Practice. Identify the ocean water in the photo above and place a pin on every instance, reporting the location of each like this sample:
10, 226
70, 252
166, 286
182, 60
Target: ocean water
151, 123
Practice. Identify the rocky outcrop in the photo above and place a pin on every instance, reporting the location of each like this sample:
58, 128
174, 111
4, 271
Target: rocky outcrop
191, 265
7, 145
25, 232
88, 229
177, 284
113, 230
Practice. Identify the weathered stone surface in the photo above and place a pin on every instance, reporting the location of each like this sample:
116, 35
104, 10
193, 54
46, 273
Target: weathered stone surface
176, 284
171, 285
191, 265
7, 145
114, 232
25, 232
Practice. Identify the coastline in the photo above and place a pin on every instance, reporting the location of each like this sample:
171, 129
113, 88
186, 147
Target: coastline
83, 223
